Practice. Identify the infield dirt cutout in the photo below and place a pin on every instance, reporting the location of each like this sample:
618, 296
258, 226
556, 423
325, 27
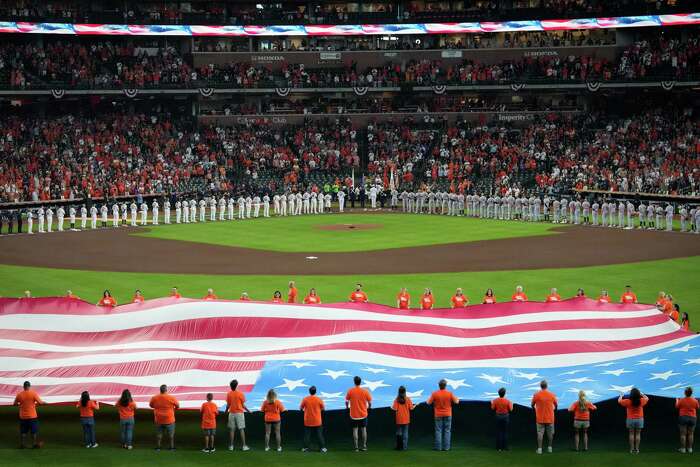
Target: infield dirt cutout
116, 249
348, 227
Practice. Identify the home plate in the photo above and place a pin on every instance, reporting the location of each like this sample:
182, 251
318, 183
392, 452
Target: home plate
312, 257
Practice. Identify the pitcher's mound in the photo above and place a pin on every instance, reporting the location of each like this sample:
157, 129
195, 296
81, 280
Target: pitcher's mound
346, 227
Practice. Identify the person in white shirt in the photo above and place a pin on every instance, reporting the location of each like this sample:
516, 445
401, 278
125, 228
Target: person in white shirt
60, 214
154, 206
222, 209
248, 206
313, 201
83, 217
256, 206
241, 207
40, 218
49, 219
186, 212
321, 203
30, 221
230, 206
166, 211
122, 207
212, 209
178, 211
133, 209
71, 217
328, 199
283, 205
104, 212
341, 201
115, 215
669, 218
144, 213
266, 206
291, 198
298, 213
202, 210
93, 217
193, 211
306, 197
276, 205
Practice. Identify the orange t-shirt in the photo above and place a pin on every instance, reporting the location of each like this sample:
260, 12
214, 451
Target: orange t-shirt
426, 301
403, 411
277, 300
27, 401
632, 411
604, 299
210, 297
687, 407
272, 411
107, 301
555, 297
674, 315
442, 401
668, 307
628, 297
235, 401
459, 301
127, 411
501, 405
358, 398
89, 409
519, 297
312, 299
209, 411
685, 325
164, 406
137, 299
292, 295
175, 295
245, 298
358, 297
582, 414
545, 402
312, 407
404, 300
489, 300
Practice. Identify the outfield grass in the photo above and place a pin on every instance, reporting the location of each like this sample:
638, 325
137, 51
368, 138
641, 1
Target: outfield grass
678, 277
301, 233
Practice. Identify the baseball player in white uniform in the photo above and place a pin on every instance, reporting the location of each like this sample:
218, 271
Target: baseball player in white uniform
83, 217
641, 215
230, 207
306, 202
49, 219
71, 216
154, 206
202, 210
266, 205
684, 218
104, 211
650, 216
212, 209
144, 213
299, 198
321, 203
40, 218
133, 208
93, 217
222, 209
248, 206
166, 211
669, 218
60, 214
256, 206
291, 201
313, 201
30, 221
283, 204
341, 201
178, 211
276, 205
373, 197
186, 212
115, 215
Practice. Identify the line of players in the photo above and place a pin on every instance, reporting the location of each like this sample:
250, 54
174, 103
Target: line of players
187, 211
535, 209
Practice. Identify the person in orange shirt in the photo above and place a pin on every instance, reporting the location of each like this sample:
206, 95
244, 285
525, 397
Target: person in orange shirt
553, 296
442, 401
138, 297
312, 298
127, 410
164, 406
87, 409
629, 296
174, 293
107, 300
580, 293
403, 405
519, 295
273, 408
687, 419
236, 408
244, 297
358, 400
489, 297
277, 297
358, 296
209, 411
27, 400
544, 403
313, 408
210, 295
669, 306
426, 300
403, 299
661, 299
635, 416
71, 295
292, 293
603, 297
675, 312
503, 407
685, 322
459, 300
582, 419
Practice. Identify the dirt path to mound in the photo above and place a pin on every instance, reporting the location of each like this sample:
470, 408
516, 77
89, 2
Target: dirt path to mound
117, 250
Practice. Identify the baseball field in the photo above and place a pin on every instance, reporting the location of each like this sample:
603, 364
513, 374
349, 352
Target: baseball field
333, 252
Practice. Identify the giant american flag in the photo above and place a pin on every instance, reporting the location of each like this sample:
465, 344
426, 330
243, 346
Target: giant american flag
64, 346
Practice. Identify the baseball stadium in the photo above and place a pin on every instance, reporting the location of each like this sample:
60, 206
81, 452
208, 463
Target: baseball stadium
349, 232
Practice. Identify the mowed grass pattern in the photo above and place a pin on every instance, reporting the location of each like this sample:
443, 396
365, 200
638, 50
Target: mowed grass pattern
302, 233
